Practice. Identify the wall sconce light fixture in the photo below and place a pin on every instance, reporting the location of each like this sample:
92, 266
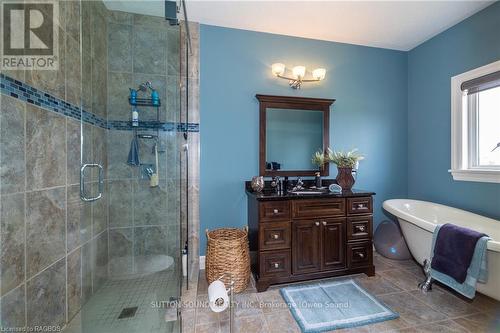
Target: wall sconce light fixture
298, 74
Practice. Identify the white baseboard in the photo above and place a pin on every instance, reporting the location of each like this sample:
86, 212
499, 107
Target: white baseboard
202, 262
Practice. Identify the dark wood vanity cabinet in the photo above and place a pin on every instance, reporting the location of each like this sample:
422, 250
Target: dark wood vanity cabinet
300, 238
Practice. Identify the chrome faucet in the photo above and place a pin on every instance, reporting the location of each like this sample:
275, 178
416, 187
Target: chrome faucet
275, 183
299, 185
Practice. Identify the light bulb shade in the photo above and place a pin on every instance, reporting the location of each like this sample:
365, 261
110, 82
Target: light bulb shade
319, 73
278, 69
299, 72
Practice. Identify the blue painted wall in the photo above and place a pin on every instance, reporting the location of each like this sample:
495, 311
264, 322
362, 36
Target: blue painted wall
370, 85
472, 43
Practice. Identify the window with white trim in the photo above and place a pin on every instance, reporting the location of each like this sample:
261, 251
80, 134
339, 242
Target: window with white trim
475, 124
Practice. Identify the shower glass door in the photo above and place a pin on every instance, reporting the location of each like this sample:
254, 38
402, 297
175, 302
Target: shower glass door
129, 262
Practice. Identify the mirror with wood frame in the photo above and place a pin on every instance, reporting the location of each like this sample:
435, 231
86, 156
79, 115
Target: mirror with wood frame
292, 129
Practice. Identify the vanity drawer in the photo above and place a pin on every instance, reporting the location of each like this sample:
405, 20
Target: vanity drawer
359, 254
275, 263
274, 235
274, 211
361, 205
359, 227
318, 208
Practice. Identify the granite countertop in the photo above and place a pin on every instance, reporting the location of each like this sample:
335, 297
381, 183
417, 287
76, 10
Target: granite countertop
270, 195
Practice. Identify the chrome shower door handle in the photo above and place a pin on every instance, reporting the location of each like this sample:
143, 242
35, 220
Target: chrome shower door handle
83, 195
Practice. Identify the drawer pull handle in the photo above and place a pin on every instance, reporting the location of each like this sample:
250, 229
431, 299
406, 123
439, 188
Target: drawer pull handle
276, 236
275, 211
361, 228
361, 255
324, 223
276, 265
317, 223
361, 206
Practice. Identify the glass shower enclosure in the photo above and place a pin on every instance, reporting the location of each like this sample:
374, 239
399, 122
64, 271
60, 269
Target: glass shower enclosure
130, 177
90, 171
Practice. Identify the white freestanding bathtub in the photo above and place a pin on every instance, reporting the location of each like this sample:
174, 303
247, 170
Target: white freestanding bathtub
418, 219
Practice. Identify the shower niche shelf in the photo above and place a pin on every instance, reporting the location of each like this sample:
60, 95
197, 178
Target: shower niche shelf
144, 102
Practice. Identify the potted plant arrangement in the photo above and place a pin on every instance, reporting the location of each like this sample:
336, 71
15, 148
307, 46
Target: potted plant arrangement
319, 159
345, 162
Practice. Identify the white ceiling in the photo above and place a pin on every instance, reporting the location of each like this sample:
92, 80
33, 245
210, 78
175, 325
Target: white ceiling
399, 25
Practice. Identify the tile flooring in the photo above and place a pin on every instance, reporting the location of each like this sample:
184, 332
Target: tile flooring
395, 283
100, 314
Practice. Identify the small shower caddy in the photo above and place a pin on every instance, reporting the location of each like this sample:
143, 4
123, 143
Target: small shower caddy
135, 101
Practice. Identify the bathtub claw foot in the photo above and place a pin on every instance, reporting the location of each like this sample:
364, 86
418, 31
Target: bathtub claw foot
426, 285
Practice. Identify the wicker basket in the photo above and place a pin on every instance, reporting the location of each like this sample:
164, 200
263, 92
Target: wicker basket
227, 252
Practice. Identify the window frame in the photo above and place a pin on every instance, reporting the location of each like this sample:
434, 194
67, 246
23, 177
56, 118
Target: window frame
463, 135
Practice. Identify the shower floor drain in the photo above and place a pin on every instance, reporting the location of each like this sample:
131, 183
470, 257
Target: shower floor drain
128, 313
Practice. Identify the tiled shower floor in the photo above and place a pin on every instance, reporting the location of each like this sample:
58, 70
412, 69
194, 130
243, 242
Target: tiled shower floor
100, 314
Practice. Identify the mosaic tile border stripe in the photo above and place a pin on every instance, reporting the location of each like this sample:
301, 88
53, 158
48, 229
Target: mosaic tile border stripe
191, 127
24, 92
149, 125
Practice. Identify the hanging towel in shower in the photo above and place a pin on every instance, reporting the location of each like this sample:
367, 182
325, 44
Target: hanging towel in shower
459, 258
133, 155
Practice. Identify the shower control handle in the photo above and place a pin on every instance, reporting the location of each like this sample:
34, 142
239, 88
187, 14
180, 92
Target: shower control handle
83, 194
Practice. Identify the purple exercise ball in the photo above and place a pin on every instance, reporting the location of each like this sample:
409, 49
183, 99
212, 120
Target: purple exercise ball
389, 241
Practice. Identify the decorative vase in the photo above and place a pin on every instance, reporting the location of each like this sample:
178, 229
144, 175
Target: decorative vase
257, 183
345, 178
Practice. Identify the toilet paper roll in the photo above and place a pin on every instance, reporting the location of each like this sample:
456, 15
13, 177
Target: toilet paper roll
217, 296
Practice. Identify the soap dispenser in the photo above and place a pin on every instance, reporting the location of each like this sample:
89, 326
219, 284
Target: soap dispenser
155, 98
133, 96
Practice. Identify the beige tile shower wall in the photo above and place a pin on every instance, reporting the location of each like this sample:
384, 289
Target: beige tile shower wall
142, 220
54, 250
190, 81
142, 48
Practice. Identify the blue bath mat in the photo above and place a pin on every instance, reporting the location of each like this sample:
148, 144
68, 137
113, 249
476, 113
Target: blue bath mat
333, 305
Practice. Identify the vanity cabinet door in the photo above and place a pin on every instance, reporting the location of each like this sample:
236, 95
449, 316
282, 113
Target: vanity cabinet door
333, 244
306, 246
